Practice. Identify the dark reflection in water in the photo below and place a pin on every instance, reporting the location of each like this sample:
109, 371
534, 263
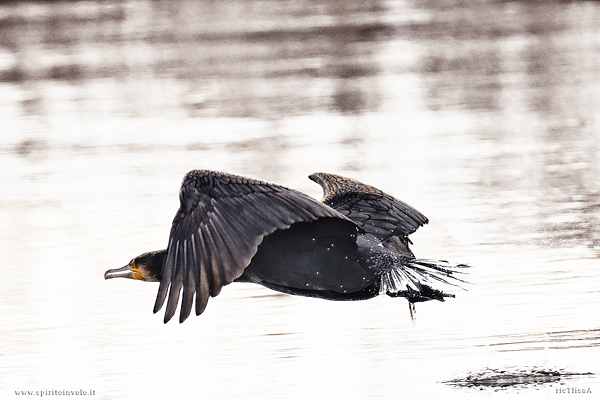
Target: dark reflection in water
481, 55
276, 58
503, 379
232, 58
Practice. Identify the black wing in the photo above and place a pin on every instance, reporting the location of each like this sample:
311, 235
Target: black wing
377, 213
220, 223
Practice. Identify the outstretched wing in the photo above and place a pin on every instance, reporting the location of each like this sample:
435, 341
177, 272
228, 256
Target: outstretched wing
220, 223
377, 213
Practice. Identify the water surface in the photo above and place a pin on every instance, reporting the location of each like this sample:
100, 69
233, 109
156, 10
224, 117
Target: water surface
484, 117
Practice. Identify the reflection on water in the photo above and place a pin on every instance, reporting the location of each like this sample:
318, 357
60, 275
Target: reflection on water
553, 340
483, 116
260, 59
499, 379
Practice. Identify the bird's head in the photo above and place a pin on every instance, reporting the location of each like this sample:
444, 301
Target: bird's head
145, 267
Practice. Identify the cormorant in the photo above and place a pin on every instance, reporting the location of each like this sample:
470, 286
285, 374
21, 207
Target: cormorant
352, 246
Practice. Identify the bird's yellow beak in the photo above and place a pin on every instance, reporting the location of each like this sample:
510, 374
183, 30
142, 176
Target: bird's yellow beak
129, 271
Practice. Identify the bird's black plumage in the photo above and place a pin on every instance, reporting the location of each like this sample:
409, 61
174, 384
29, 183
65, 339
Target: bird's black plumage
216, 232
378, 213
351, 246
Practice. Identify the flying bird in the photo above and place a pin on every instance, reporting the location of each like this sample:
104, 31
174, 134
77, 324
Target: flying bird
353, 245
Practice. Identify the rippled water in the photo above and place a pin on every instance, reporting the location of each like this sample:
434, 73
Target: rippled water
484, 117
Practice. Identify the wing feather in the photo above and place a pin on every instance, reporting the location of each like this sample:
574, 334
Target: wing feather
388, 219
176, 284
202, 285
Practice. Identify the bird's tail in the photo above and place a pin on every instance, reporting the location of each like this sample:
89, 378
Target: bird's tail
413, 276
